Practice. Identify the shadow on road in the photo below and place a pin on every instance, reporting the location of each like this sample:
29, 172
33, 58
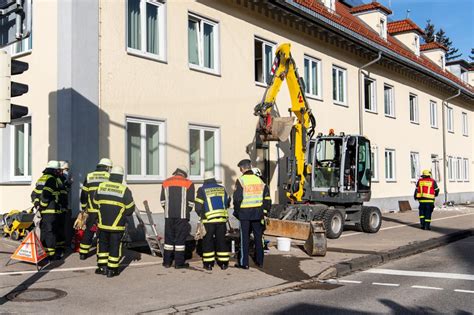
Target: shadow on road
285, 267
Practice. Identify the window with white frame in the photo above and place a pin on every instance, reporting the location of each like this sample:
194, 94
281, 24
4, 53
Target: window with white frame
451, 169
204, 151
264, 52
435, 169
203, 43
465, 128
433, 114
145, 149
414, 118
146, 28
466, 170
339, 85
370, 100
414, 165
374, 166
15, 144
450, 119
390, 165
312, 77
389, 104
459, 169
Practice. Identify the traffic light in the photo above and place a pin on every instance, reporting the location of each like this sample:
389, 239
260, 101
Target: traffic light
9, 89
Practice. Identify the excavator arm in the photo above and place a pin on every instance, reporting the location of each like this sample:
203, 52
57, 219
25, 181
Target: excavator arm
271, 127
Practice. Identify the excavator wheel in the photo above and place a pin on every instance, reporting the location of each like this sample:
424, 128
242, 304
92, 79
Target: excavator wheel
371, 219
333, 223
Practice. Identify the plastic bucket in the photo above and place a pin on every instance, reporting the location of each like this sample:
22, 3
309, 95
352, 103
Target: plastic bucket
283, 244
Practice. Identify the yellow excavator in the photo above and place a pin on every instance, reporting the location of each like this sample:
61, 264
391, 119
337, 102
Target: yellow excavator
328, 176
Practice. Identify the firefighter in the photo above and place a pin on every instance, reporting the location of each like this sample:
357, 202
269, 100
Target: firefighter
114, 202
45, 200
211, 206
177, 199
259, 173
251, 199
64, 185
89, 188
426, 191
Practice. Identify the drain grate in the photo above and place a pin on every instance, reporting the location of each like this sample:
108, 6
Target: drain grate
36, 295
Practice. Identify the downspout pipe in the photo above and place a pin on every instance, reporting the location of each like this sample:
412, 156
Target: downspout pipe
445, 161
361, 106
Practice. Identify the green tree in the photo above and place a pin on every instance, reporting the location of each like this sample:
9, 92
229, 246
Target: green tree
453, 53
472, 55
429, 32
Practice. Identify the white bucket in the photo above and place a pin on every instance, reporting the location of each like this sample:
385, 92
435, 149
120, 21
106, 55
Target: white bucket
283, 244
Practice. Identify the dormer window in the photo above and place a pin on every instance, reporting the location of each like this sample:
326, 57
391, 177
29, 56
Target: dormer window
374, 15
383, 28
417, 45
443, 62
330, 4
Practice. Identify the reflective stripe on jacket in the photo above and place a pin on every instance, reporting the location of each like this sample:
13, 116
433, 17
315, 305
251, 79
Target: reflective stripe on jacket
253, 188
46, 193
114, 201
211, 203
177, 197
426, 190
89, 189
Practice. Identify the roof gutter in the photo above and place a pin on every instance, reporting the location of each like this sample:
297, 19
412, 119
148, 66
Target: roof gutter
324, 21
361, 108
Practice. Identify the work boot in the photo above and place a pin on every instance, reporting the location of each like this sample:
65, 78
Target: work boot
112, 273
183, 266
101, 271
208, 267
82, 256
166, 265
422, 227
240, 266
224, 267
428, 227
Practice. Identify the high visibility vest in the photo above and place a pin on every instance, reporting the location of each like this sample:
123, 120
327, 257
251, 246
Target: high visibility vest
253, 188
214, 204
426, 190
111, 203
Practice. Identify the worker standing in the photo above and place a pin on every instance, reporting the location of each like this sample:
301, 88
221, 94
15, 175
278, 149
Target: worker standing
89, 188
45, 199
64, 185
211, 206
177, 199
426, 191
114, 202
251, 199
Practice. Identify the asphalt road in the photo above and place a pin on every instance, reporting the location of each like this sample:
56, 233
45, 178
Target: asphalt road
440, 281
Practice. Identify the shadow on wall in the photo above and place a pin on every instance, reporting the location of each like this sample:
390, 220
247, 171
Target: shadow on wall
78, 133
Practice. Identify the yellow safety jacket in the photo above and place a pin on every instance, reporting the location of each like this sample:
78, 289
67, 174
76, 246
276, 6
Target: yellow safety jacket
114, 201
253, 188
91, 184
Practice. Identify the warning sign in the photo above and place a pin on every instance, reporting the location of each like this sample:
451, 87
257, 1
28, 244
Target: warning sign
30, 250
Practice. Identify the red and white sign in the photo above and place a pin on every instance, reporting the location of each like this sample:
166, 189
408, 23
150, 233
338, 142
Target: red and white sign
30, 250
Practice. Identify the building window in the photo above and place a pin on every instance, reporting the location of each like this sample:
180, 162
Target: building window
375, 163
145, 149
312, 77
390, 165
435, 170
443, 62
414, 165
204, 151
20, 150
339, 85
459, 169
146, 28
465, 129
370, 103
450, 119
433, 114
416, 43
264, 52
413, 108
451, 169
466, 170
389, 105
203, 43
383, 28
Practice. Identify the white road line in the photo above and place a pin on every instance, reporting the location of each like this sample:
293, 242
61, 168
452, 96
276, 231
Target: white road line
386, 284
425, 287
443, 275
70, 269
349, 281
463, 291
411, 224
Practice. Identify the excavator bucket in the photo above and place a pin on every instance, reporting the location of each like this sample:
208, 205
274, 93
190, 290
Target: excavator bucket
280, 129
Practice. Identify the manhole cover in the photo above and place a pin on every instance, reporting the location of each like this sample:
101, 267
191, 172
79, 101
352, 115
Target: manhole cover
36, 295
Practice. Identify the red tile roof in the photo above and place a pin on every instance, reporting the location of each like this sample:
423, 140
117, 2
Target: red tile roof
403, 26
371, 6
343, 17
433, 45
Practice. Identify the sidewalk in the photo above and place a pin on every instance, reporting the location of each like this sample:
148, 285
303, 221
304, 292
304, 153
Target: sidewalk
145, 286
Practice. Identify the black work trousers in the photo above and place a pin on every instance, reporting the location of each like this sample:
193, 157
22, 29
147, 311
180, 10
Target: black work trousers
86, 242
60, 231
48, 227
254, 226
109, 249
176, 232
425, 211
214, 246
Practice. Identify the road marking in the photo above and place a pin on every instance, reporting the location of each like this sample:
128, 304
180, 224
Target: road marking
463, 291
386, 284
425, 287
71, 269
411, 224
350, 281
443, 275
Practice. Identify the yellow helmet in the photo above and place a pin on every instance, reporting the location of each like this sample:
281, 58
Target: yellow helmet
426, 173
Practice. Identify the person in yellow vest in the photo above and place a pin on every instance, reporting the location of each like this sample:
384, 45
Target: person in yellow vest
89, 188
251, 199
114, 202
426, 191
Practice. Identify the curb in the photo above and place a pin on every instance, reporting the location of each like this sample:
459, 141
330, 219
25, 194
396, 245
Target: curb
368, 261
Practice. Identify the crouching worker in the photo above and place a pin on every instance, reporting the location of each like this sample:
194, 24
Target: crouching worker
114, 202
211, 205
